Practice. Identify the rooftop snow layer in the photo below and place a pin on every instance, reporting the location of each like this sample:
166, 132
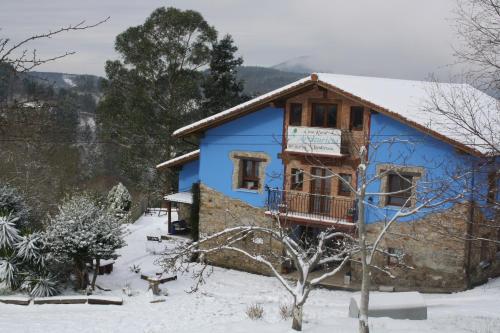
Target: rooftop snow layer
405, 98
180, 159
413, 101
181, 197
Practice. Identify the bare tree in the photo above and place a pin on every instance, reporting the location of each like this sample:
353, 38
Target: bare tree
478, 27
331, 248
470, 114
22, 58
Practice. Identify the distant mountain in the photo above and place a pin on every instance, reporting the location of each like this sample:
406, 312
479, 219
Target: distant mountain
80, 82
259, 80
300, 65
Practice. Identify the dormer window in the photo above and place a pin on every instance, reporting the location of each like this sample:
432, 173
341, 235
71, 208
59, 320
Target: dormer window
324, 115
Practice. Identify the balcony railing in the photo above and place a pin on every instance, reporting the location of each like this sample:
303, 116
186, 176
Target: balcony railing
307, 206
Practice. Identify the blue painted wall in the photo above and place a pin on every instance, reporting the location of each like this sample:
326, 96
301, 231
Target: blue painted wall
260, 131
188, 175
396, 143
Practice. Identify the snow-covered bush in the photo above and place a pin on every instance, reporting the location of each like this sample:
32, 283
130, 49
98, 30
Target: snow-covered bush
13, 204
119, 200
82, 232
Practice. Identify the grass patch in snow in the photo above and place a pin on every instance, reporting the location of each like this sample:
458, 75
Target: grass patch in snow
255, 312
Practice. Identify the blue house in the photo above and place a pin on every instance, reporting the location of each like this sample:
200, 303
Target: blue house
295, 151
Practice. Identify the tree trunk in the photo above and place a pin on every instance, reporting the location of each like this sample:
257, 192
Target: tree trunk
96, 271
81, 275
297, 317
365, 282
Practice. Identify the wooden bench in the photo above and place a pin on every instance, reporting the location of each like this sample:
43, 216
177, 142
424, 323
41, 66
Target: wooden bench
155, 280
153, 239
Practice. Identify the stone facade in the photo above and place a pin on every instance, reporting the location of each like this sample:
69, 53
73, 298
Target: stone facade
435, 251
484, 260
184, 212
219, 212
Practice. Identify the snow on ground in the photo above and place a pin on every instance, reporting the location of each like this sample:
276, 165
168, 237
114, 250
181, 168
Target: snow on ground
220, 304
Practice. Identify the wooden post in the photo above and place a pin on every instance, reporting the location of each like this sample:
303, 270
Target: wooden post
169, 206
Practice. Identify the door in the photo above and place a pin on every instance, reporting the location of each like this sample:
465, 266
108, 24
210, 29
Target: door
320, 201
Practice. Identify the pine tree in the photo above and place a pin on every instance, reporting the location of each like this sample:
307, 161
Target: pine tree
119, 201
221, 88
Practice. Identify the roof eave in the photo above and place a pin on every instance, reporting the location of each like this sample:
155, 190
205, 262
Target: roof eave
178, 161
247, 109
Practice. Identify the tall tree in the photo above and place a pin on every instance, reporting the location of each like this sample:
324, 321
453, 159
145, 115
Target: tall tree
153, 89
221, 88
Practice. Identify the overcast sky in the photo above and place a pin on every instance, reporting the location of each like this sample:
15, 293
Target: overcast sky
391, 38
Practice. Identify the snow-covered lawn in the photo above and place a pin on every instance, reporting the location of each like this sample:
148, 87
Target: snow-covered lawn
220, 304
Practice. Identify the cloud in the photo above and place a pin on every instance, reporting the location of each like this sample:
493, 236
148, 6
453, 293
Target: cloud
394, 38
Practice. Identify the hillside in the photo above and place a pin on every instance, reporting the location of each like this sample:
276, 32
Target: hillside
259, 80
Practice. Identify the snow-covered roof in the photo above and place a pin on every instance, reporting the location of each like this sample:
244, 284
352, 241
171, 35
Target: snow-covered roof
181, 197
180, 159
405, 100
411, 100
253, 102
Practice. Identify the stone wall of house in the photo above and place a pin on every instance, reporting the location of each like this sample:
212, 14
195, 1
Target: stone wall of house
484, 254
184, 212
219, 212
434, 251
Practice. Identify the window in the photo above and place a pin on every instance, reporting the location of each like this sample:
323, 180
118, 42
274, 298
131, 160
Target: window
394, 256
249, 174
400, 185
324, 115
249, 170
492, 187
343, 187
356, 119
295, 114
297, 179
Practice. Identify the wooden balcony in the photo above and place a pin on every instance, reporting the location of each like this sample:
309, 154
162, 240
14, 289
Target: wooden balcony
307, 208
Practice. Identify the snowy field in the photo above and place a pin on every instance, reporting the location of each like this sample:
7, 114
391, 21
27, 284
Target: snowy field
220, 304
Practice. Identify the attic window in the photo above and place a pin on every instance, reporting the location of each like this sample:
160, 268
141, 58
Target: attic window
295, 114
356, 119
324, 115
